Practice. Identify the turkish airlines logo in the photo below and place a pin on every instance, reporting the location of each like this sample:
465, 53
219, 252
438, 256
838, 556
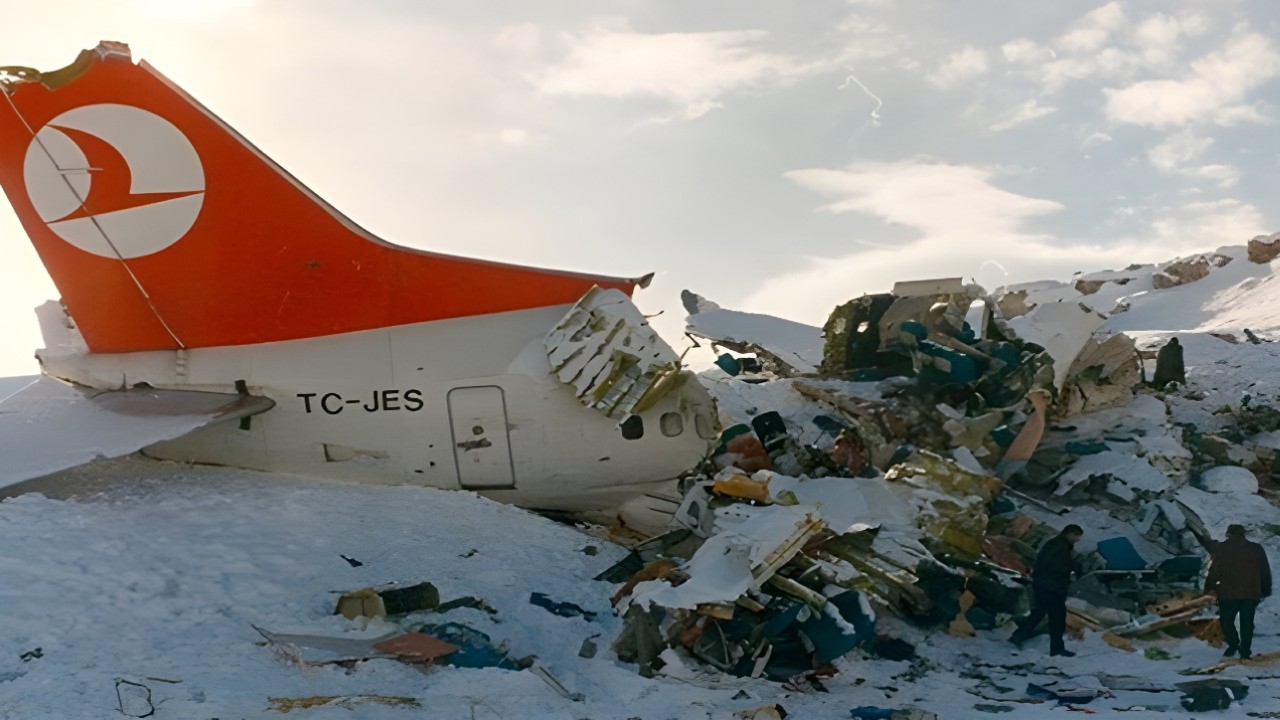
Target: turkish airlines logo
114, 180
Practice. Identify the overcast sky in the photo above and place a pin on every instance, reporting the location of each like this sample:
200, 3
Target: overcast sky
774, 157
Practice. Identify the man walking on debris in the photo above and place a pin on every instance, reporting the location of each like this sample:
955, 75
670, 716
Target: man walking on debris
1049, 582
1240, 576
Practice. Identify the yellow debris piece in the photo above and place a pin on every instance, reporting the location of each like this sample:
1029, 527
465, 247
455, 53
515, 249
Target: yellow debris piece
741, 486
364, 602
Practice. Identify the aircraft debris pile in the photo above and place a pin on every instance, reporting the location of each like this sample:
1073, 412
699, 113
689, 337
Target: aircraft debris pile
911, 456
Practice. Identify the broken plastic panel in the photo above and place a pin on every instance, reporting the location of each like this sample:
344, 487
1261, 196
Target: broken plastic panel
1062, 329
785, 347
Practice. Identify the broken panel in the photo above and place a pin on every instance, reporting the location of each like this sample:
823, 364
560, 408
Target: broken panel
785, 348
615, 362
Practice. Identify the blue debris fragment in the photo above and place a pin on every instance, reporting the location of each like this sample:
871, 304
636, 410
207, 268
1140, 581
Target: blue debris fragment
1182, 567
828, 635
1004, 436
729, 434
475, 650
1085, 447
556, 607
959, 366
729, 364
828, 425
915, 330
771, 430
1120, 554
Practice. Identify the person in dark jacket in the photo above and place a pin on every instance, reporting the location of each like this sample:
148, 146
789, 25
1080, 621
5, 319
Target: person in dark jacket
1049, 582
1240, 576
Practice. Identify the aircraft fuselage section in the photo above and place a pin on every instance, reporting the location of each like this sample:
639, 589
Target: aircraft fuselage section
462, 404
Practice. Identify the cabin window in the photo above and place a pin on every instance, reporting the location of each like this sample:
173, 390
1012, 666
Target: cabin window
671, 424
703, 426
632, 428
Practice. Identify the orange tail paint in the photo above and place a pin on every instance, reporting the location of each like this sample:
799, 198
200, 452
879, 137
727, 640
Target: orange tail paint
163, 228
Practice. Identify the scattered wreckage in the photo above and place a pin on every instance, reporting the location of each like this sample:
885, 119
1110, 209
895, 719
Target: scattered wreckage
911, 456
803, 535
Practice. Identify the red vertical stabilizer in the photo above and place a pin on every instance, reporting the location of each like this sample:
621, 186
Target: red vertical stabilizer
163, 228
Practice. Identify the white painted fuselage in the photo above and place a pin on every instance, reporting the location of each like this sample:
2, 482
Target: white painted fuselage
458, 404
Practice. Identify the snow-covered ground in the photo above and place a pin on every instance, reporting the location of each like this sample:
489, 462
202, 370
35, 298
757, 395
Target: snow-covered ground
156, 573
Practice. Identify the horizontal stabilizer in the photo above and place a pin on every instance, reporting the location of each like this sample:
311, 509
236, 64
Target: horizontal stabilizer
50, 425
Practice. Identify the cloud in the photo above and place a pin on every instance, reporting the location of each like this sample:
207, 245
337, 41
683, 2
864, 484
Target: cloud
1024, 113
1159, 37
1178, 149
1105, 43
971, 228
522, 39
1078, 54
1224, 176
954, 208
960, 66
693, 71
198, 10
510, 137
808, 295
931, 196
1237, 114
1176, 155
1108, 62
1094, 29
1024, 50
1195, 226
1214, 90
870, 39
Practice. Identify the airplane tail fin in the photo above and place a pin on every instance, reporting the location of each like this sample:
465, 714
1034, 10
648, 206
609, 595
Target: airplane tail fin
163, 228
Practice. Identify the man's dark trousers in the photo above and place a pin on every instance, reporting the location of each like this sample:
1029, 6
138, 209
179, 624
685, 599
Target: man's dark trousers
1227, 611
1054, 604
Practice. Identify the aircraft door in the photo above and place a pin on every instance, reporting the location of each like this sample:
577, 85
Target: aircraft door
481, 444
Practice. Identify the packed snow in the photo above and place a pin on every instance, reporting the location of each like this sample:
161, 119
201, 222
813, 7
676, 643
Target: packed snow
157, 573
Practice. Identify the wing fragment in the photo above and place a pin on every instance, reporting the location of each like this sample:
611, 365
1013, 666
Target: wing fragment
49, 425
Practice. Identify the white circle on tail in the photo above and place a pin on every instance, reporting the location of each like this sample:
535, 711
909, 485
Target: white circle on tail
135, 193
